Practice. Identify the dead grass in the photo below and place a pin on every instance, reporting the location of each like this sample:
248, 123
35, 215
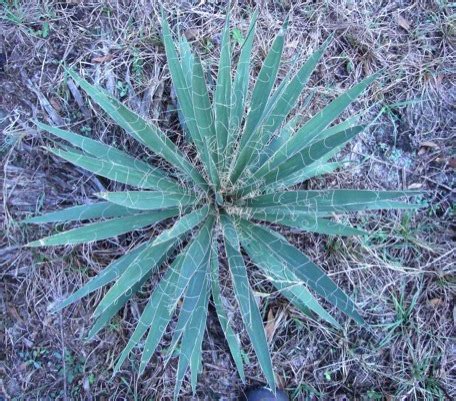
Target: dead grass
402, 277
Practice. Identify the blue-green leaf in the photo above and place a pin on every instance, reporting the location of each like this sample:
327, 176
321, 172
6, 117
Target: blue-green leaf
222, 96
231, 338
261, 91
105, 229
148, 200
143, 131
82, 212
251, 315
240, 88
300, 265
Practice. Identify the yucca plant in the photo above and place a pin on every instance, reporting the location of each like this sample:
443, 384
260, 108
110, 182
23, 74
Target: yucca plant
246, 154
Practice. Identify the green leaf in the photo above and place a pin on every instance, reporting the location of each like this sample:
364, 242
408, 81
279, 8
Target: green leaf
114, 270
148, 200
312, 170
157, 312
191, 326
128, 284
283, 278
194, 295
311, 130
109, 313
287, 132
148, 260
261, 91
151, 179
192, 343
96, 148
164, 299
284, 101
326, 211
240, 89
299, 161
222, 96
205, 120
82, 212
187, 60
319, 167
105, 229
145, 132
333, 200
249, 310
231, 338
284, 134
306, 222
343, 126
184, 94
183, 225
302, 298
264, 84
278, 247
317, 125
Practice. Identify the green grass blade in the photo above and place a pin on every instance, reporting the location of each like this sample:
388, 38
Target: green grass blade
261, 91
145, 132
231, 338
114, 270
151, 257
82, 212
249, 310
148, 200
310, 130
105, 229
306, 222
151, 179
314, 277
222, 96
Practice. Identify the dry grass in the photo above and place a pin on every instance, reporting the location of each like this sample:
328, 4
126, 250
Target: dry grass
402, 277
